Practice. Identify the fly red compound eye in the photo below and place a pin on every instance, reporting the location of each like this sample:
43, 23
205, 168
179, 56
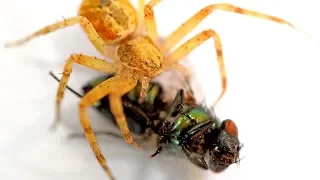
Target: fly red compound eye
231, 128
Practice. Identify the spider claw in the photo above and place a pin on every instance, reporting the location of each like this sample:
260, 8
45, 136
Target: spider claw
128, 138
55, 123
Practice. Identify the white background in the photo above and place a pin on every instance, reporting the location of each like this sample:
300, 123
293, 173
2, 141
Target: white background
273, 94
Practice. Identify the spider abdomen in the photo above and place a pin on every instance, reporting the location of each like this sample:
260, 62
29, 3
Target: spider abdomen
113, 20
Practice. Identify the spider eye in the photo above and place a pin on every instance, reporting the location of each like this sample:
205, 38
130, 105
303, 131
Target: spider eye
231, 128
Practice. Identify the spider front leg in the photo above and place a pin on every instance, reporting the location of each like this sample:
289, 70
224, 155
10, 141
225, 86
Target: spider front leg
115, 87
192, 22
87, 26
150, 21
91, 62
193, 43
140, 28
116, 108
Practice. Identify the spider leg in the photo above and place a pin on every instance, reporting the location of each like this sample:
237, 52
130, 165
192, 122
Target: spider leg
91, 62
97, 93
144, 87
127, 104
150, 21
140, 27
193, 43
191, 23
109, 86
87, 26
116, 108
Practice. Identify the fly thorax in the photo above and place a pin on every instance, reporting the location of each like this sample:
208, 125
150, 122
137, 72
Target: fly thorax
183, 123
188, 119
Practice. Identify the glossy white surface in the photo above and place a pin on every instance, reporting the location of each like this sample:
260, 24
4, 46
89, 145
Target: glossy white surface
273, 94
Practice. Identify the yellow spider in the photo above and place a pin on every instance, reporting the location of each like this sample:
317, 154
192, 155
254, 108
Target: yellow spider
117, 30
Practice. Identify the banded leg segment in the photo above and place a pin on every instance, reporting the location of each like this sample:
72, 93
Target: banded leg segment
114, 84
192, 23
88, 61
150, 21
193, 43
87, 26
116, 108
